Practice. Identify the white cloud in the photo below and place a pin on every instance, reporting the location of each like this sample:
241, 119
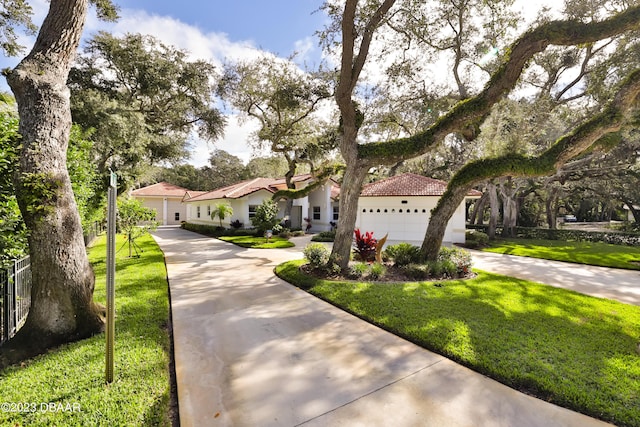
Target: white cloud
211, 46
215, 47
305, 49
235, 141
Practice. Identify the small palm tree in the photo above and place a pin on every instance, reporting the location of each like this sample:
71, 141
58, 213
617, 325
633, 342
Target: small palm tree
221, 210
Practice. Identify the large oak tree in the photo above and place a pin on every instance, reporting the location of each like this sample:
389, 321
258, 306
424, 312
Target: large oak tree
62, 306
358, 22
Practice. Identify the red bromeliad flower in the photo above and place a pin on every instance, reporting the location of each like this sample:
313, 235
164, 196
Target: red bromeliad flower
365, 245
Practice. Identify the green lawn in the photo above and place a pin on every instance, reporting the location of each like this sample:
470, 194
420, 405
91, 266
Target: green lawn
255, 242
73, 375
570, 349
591, 253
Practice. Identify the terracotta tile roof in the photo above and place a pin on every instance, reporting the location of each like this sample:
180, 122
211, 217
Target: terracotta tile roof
238, 190
244, 188
408, 184
191, 194
161, 189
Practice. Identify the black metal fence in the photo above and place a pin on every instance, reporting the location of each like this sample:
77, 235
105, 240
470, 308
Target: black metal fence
15, 297
92, 231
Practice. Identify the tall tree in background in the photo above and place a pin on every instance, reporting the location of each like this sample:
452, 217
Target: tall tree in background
143, 99
223, 169
285, 100
62, 307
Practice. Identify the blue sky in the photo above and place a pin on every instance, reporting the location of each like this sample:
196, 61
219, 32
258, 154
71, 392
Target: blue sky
274, 25
220, 31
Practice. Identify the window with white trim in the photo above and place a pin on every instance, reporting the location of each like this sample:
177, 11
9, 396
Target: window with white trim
336, 213
198, 212
316, 213
252, 211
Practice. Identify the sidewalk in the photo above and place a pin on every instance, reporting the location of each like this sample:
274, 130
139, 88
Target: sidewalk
252, 350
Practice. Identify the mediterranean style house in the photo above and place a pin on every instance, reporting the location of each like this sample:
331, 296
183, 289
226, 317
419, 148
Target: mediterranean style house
320, 206
166, 199
401, 206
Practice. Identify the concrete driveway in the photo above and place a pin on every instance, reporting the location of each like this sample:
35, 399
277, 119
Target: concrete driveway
252, 350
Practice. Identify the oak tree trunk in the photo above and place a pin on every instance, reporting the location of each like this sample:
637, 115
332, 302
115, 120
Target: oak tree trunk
551, 207
508, 191
62, 307
494, 210
477, 213
440, 217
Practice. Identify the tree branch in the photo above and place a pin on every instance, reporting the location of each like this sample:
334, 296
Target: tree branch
466, 116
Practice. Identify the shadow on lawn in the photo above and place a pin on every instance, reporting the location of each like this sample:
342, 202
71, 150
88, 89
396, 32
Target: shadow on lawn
564, 347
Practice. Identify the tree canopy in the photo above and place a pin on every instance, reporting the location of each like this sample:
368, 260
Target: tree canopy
143, 99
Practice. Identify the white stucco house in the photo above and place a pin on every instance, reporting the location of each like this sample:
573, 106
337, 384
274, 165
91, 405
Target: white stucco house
401, 206
244, 197
166, 199
630, 217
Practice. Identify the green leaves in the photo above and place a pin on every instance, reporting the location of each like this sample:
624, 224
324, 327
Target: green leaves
144, 99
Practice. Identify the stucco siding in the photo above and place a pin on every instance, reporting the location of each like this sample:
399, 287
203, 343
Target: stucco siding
166, 208
405, 218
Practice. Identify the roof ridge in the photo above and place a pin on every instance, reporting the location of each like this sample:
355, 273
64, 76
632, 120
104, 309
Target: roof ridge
242, 186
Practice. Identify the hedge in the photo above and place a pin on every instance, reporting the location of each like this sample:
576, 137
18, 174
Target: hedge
611, 237
216, 231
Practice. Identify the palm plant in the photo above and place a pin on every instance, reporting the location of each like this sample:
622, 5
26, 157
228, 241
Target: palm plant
221, 210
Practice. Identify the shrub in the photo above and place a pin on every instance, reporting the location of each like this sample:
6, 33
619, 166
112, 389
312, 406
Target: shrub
297, 233
417, 271
611, 237
476, 239
358, 270
317, 255
236, 224
377, 271
365, 245
449, 268
324, 236
285, 233
404, 254
207, 230
435, 268
266, 217
459, 258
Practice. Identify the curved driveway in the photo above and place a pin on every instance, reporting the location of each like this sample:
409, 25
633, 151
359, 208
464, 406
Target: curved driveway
252, 350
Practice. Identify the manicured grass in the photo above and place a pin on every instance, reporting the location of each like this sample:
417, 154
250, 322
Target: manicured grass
591, 253
74, 374
570, 349
256, 242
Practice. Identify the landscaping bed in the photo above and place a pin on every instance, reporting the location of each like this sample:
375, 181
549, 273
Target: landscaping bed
258, 242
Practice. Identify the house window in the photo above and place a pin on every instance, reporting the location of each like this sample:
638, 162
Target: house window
252, 211
316, 213
208, 210
177, 216
336, 213
198, 212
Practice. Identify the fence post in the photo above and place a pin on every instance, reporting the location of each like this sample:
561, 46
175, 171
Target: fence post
14, 299
111, 271
5, 308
